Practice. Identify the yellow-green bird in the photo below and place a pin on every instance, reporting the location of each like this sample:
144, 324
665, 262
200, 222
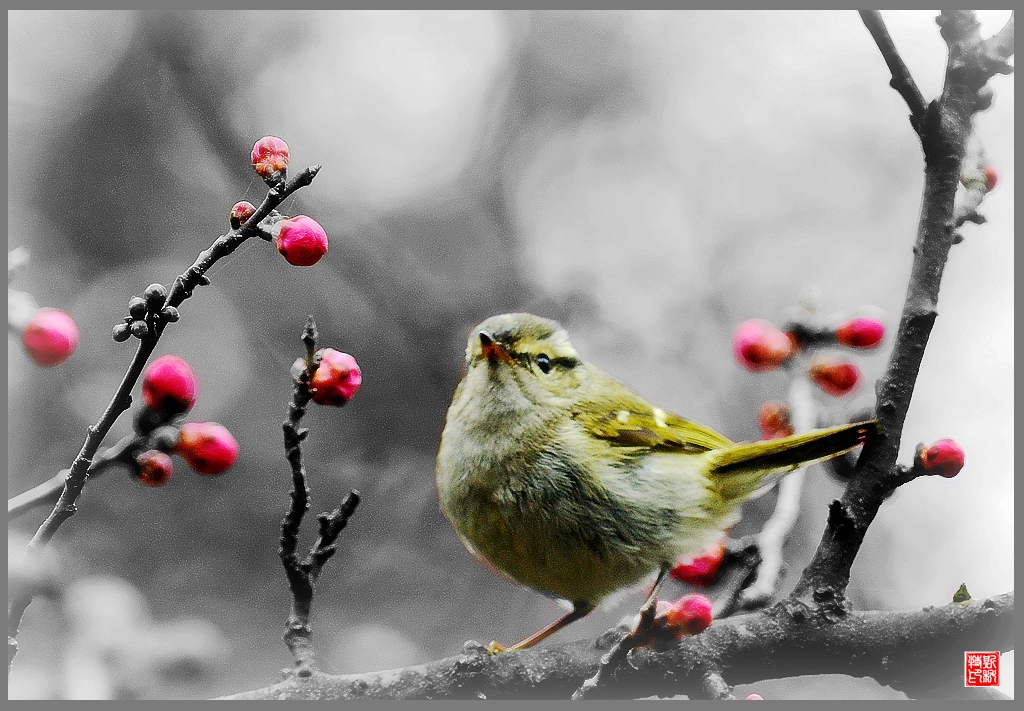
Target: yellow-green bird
565, 480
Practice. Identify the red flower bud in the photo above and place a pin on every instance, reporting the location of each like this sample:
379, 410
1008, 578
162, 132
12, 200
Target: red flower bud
758, 345
169, 385
269, 156
207, 447
301, 240
50, 337
690, 614
835, 376
753, 697
991, 177
702, 570
944, 457
336, 379
861, 333
240, 212
154, 468
775, 420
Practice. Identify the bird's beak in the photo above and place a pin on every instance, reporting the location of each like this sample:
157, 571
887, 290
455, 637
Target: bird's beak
492, 351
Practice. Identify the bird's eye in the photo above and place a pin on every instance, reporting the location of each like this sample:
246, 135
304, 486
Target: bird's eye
544, 363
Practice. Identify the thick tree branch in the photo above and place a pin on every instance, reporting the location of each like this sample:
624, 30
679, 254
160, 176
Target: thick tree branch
944, 134
919, 653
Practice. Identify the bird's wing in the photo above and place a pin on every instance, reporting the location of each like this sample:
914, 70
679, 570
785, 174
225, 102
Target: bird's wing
623, 418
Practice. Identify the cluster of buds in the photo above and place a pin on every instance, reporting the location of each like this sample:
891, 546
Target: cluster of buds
299, 239
50, 337
144, 312
760, 346
169, 389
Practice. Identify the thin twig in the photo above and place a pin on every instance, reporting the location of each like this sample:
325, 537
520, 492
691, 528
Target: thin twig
180, 290
739, 566
298, 633
302, 575
49, 491
772, 539
902, 81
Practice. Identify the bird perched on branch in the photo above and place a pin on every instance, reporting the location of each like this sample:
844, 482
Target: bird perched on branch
566, 481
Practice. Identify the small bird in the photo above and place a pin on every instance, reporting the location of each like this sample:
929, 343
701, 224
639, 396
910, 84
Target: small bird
565, 480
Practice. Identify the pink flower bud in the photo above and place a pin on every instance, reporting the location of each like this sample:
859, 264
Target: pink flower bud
690, 614
753, 697
702, 570
169, 385
50, 337
758, 345
207, 447
861, 333
775, 420
240, 212
835, 376
269, 156
301, 240
336, 379
154, 468
944, 457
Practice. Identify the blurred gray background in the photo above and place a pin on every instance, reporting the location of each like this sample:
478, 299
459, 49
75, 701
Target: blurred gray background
648, 179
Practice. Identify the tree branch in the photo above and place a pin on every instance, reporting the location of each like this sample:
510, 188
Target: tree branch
181, 289
919, 653
302, 575
944, 134
901, 81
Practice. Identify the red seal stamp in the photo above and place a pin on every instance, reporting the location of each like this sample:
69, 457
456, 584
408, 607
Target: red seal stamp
981, 668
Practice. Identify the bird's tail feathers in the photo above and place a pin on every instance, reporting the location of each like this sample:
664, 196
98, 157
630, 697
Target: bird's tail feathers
742, 468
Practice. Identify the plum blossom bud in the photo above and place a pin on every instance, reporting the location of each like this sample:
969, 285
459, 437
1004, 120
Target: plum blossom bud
240, 212
169, 385
945, 458
154, 468
270, 156
775, 420
861, 333
50, 337
336, 379
702, 570
207, 447
690, 614
758, 345
835, 376
300, 240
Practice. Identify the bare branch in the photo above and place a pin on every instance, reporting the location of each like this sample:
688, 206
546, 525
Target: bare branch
944, 136
902, 81
49, 491
302, 575
180, 290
